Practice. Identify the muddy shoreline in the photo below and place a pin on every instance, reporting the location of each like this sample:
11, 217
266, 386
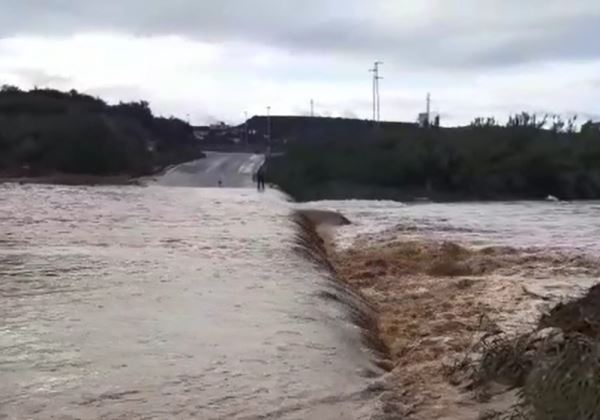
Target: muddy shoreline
67, 179
84, 180
60, 178
435, 302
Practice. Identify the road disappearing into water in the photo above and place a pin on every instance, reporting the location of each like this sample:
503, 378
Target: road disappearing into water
234, 170
121, 302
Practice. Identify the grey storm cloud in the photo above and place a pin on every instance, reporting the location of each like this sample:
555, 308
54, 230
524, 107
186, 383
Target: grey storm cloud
447, 33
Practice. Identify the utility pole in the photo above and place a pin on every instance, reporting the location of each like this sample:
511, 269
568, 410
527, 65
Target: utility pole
376, 95
377, 79
312, 108
428, 108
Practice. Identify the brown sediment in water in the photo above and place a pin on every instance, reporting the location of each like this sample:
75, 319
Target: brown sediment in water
324, 217
434, 300
311, 244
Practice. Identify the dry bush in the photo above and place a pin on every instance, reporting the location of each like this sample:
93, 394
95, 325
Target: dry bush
578, 316
556, 367
506, 361
566, 385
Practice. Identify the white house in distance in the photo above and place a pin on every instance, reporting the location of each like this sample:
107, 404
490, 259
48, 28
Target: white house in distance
218, 132
428, 118
425, 119
201, 133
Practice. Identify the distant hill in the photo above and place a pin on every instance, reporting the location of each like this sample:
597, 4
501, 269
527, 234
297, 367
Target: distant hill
318, 129
287, 130
45, 131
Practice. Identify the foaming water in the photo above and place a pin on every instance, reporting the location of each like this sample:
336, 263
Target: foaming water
126, 302
442, 276
528, 254
544, 225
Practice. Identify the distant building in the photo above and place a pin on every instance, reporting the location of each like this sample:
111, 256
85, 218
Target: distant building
591, 126
201, 133
219, 126
219, 133
425, 119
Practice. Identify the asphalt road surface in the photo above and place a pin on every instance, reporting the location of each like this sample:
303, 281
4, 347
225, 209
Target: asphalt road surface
234, 170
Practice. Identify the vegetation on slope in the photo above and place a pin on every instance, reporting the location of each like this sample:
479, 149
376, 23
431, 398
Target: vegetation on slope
46, 131
555, 368
526, 158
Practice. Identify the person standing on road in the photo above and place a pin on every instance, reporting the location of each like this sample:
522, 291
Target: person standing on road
260, 178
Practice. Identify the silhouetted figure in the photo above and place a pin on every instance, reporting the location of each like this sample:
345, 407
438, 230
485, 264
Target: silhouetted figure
220, 183
260, 178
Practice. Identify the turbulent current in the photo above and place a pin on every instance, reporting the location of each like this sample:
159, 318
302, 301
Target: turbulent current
169, 302
183, 300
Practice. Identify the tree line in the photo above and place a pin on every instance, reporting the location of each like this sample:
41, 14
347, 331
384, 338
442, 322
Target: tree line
45, 130
528, 157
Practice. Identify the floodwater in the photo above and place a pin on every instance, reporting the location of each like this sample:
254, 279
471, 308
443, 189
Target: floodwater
165, 302
231, 170
572, 227
168, 302
545, 250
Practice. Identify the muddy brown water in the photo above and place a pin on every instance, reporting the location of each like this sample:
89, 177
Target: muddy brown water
166, 302
572, 227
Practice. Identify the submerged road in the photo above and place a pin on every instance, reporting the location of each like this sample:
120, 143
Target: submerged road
119, 302
234, 170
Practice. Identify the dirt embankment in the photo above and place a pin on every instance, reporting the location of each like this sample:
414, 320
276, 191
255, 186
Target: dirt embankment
437, 301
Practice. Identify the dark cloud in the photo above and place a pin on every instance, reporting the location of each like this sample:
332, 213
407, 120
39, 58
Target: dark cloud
446, 33
572, 38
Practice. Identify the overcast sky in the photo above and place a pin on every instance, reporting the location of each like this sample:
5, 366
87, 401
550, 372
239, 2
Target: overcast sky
215, 59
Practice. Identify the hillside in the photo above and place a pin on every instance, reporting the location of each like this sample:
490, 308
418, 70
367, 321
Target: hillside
291, 129
286, 130
44, 132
